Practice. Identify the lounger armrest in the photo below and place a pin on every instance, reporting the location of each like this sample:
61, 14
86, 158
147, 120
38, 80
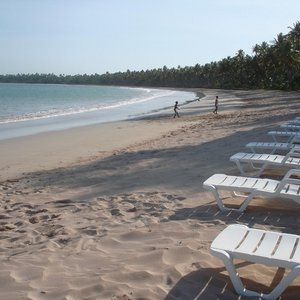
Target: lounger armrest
290, 173
287, 179
295, 140
295, 152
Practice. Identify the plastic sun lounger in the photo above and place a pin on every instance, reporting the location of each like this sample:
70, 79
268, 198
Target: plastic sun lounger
277, 249
289, 135
249, 187
260, 161
295, 122
291, 127
273, 146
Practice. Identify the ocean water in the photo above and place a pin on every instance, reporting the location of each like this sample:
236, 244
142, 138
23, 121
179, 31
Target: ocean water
27, 109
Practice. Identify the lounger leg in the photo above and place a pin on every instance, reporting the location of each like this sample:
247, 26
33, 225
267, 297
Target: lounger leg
233, 274
243, 173
252, 149
224, 208
240, 167
218, 199
290, 138
246, 202
260, 170
283, 284
274, 138
238, 285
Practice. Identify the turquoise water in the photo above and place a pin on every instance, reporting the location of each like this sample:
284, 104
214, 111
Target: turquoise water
33, 108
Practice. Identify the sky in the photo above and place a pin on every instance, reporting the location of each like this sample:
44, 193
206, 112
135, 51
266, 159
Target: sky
97, 36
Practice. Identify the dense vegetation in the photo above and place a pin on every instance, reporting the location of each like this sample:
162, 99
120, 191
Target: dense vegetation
274, 65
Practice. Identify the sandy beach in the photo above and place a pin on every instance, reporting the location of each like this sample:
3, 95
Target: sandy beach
118, 211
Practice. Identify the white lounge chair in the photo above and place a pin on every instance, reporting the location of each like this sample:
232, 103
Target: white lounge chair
249, 187
295, 122
277, 249
291, 127
260, 161
288, 135
273, 146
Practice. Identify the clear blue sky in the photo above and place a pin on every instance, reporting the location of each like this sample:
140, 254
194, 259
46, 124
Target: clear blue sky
96, 36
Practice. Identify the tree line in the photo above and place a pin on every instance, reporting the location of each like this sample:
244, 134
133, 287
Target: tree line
274, 65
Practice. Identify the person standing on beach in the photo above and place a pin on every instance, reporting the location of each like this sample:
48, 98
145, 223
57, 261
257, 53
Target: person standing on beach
175, 110
216, 105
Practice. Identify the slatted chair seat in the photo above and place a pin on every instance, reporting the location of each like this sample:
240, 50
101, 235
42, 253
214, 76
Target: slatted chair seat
291, 127
288, 135
260, 161
273, 147
258, 246
249, 187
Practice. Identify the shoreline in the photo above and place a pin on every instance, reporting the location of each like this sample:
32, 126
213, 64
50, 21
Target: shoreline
61, 148
121, 109
119, 212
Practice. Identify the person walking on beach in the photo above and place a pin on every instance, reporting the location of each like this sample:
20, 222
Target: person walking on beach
176, 114
216, 105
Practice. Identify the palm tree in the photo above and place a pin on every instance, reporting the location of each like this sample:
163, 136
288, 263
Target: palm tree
294, 34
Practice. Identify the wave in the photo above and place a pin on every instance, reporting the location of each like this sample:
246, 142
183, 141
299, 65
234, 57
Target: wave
68, 111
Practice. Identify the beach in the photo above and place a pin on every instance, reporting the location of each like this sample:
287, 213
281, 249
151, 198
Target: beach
118, 210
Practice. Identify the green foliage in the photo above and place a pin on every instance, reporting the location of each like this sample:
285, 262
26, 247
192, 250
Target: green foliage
272, 66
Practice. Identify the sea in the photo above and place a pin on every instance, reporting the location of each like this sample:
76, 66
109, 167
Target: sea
27, 109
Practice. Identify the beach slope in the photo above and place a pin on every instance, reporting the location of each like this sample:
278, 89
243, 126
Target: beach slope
118, 211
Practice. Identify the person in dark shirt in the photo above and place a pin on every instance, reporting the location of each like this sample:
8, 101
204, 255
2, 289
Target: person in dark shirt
216, 105
176, 108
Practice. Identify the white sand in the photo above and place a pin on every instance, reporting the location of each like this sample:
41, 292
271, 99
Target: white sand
118, 211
